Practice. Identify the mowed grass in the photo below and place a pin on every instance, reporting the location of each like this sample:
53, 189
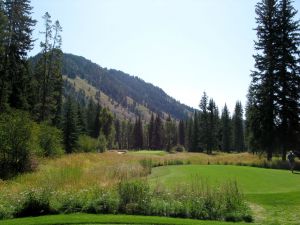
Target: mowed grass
107, 219
274, 195
148, 153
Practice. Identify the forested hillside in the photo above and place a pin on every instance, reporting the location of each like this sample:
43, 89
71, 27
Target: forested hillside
132, 93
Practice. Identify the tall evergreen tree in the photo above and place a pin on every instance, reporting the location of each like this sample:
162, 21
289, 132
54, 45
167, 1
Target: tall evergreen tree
4, 84
238, 128
195, 144
181, 133
118, 133
170, 134
138, 134
226, 129
91, 116
203, 121
70, 126
288, 73
213, 123
158, 133
151, 132
15, 73
48, 73
262, 89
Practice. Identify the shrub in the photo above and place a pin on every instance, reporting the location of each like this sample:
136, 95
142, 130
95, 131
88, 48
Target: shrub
34, 203
103, 202
15, 133
87, 144
50, 141
102, 143
134, 197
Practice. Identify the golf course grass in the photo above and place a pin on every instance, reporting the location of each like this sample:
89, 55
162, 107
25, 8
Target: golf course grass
106, 219
274, 195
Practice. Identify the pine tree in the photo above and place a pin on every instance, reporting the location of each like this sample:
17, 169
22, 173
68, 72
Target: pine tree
263, 85
226, 129
203, 122
138, 134
170, 134
4, 84
181, 133
158, 133
288, 82
82, 124
238, 128
91, 116
118, 133
195, 142
213, 123
16, 79
48, 73
151, 132
97, 125
70, 126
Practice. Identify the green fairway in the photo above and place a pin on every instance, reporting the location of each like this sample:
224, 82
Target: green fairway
106, 219
250, 179
273, 194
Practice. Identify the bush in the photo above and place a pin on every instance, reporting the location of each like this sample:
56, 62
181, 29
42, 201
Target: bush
50, 141
134, 197
15, 133
87, 144
103, 202
34, 203
102, 142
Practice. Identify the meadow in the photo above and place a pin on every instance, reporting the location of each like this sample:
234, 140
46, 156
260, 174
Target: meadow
71, 183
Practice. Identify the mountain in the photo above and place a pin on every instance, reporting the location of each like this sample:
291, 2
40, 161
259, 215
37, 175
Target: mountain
125, 95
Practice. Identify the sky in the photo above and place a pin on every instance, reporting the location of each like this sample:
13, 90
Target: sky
185, 47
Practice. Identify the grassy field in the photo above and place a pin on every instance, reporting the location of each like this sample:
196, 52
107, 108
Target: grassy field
274, 195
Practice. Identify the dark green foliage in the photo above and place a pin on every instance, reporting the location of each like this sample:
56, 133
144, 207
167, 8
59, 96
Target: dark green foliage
151, 132
263, 85
195, 144
158, 133
70, 126
15, 134
138, 134
289, 80
50, 141
238, 128
181, 133
17, 29
273, 99
226, 129
4, 83
213, 126
170, 134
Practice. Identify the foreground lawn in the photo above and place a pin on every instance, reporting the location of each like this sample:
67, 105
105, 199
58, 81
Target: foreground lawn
274, 195
106, 219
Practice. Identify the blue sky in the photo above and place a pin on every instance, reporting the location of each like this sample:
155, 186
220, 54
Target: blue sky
185, 47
